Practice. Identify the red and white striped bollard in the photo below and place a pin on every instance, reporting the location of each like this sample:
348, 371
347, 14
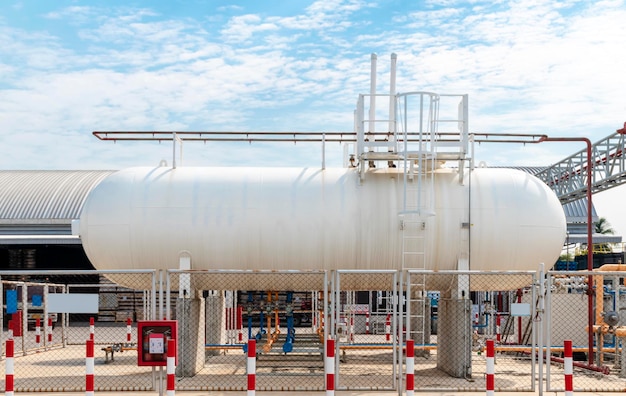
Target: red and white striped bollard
129, 329
171, 367
9, 369
388, 327
251, 367
367, 322
498, 323
410, 367
89, 369
49, 330
490, 369
568, 368
92, 329
329, 365
240, 323
351, 331
38, 332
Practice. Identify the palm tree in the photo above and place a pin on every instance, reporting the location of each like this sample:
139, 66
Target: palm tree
602, 226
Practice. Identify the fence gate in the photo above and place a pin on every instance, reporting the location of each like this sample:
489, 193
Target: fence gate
599, 359
219, 311
450, 315
365, 325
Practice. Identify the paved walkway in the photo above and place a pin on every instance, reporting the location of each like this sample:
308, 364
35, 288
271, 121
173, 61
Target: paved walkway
337, 393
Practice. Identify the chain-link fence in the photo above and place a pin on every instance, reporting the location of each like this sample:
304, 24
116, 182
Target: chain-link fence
593, 320
50, 316
448, 315
219, 311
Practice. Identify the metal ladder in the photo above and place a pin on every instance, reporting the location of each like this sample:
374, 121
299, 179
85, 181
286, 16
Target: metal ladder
417, 208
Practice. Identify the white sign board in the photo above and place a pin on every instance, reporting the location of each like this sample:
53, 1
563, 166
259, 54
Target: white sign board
72, 303
520, 309
156, 343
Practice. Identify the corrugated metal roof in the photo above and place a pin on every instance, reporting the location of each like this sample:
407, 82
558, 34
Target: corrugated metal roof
576, 212
47, 196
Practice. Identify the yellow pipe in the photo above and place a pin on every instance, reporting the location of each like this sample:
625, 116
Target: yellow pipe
268, 344
619, 331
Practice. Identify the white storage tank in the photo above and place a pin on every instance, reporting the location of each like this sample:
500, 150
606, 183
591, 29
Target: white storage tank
311, 219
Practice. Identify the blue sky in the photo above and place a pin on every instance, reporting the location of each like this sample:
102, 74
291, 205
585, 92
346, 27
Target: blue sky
68, 68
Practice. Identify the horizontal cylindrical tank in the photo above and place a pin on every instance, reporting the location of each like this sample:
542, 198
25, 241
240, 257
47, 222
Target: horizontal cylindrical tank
312, 219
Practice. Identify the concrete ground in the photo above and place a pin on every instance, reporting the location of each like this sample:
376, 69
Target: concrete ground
337, 393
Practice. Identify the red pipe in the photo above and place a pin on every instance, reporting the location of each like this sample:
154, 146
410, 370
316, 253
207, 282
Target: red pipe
589, 234
600, 369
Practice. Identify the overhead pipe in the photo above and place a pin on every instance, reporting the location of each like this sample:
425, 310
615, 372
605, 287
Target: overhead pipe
589, 234
546, 138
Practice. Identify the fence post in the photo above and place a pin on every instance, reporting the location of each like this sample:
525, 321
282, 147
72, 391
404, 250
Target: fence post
490, 369
330, 367
251, 367
89, 369
568, 368
9, 365
171, 367
410, 367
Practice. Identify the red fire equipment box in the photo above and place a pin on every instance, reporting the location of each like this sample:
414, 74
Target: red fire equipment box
152, 341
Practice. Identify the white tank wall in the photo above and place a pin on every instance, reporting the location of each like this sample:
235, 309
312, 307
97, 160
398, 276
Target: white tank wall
292, 218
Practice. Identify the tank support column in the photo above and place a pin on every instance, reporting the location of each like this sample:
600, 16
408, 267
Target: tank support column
454, 330
191, 332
